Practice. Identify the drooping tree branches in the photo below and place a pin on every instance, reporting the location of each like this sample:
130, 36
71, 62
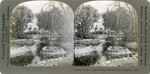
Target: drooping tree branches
121, 19
57, 19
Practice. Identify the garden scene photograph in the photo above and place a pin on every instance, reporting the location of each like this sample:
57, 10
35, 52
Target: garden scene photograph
41, 34
106, 34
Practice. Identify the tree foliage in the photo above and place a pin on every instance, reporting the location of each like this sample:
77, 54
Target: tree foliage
118, 19
85, 16
57, 19
121, 19
21, 15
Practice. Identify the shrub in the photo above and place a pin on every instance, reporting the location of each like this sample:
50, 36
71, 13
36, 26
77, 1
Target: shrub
122, 43
87, 60
98, 32
109, 38
109, 42
45, 55
43, 42
88, 36
33, 32
24, 36
29, 43
22, 60
23, 42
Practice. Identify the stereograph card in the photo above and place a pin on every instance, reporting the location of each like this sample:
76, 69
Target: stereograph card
74, 36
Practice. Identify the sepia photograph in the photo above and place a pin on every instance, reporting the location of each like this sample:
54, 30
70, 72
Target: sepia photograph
106, 34
98, 33
41, 34
74, 36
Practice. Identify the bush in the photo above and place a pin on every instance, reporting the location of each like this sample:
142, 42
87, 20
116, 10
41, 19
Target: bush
85, 36
45, 55
24, 36
109, 38
43, 42
98, 32
23, 42
88, 36
33, 32
22, 60
122, 43
29, 43
109, 42
87, 60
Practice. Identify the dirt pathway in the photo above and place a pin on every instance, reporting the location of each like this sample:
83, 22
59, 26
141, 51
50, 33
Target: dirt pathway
122, 62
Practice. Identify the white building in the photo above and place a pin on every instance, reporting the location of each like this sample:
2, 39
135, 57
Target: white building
31, 26
97, 27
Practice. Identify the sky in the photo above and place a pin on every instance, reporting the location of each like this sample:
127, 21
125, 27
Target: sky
36, 6
101, 6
